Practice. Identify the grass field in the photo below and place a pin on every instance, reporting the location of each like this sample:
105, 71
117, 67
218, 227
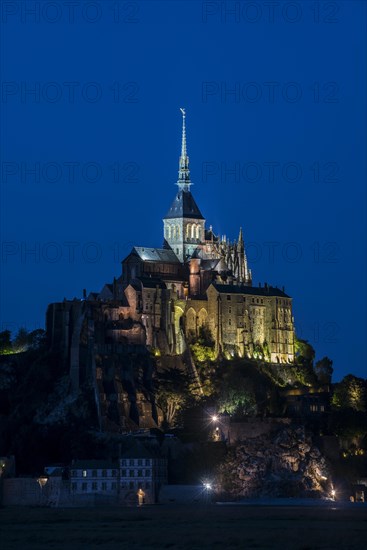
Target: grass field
186, 527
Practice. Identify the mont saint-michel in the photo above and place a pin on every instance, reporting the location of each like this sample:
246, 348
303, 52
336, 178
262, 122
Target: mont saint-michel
180, 380
196, 282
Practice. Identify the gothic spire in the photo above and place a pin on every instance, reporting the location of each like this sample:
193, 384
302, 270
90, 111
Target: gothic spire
184, 181
240, 244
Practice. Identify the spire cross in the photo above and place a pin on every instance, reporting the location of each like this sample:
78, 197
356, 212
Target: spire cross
184, 181
183, 146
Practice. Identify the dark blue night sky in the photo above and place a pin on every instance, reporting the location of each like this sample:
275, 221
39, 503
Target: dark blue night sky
276, 121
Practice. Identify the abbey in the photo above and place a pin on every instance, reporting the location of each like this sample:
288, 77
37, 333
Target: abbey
196, 283
201, 280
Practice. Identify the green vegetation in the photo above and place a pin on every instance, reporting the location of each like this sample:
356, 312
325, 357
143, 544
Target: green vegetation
348, 424
324, 370
22, 342
350, 393
6, 347
171, 395
237, 398
203, 347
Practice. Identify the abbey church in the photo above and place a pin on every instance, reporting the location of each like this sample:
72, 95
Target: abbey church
166, 296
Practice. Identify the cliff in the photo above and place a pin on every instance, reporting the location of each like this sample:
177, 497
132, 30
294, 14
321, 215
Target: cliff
280, 463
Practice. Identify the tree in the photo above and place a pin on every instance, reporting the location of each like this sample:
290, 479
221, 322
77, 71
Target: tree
21, 341
237, 397
324, 370
5, 342
37, 338
203, 347
171, 395
350, 393
237, 401
305, 354
348, 423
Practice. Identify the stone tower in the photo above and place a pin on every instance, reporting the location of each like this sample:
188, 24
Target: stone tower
184, 225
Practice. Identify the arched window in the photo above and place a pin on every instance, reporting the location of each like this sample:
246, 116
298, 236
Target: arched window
198, 232
188, 230
168, 232
193, 231
177, 231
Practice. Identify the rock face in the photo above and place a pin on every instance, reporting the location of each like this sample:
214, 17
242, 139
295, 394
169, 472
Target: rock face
284, 463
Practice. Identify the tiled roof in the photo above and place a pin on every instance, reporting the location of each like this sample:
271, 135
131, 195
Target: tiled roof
137, 450
94, 465
184, 206
156, 254
252, 290
208, 264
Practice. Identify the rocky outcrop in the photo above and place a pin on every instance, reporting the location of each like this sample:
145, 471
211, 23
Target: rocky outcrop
283, 463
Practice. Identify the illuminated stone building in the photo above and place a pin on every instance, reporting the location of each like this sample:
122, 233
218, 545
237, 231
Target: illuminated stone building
199, 279
160, 302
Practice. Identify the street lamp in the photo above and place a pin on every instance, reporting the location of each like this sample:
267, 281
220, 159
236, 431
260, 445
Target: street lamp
207, 489
42, 482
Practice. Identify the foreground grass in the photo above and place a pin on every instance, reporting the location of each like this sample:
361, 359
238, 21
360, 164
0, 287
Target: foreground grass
180, 527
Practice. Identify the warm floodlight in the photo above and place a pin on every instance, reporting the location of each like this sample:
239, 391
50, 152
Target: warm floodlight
42, 481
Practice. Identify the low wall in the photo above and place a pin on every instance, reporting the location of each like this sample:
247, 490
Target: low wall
22, 492
56, 493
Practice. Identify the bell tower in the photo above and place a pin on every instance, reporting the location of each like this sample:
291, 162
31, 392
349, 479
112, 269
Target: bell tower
184, 225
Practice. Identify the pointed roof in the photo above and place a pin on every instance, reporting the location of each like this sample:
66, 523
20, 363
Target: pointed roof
184, 181
184, 206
